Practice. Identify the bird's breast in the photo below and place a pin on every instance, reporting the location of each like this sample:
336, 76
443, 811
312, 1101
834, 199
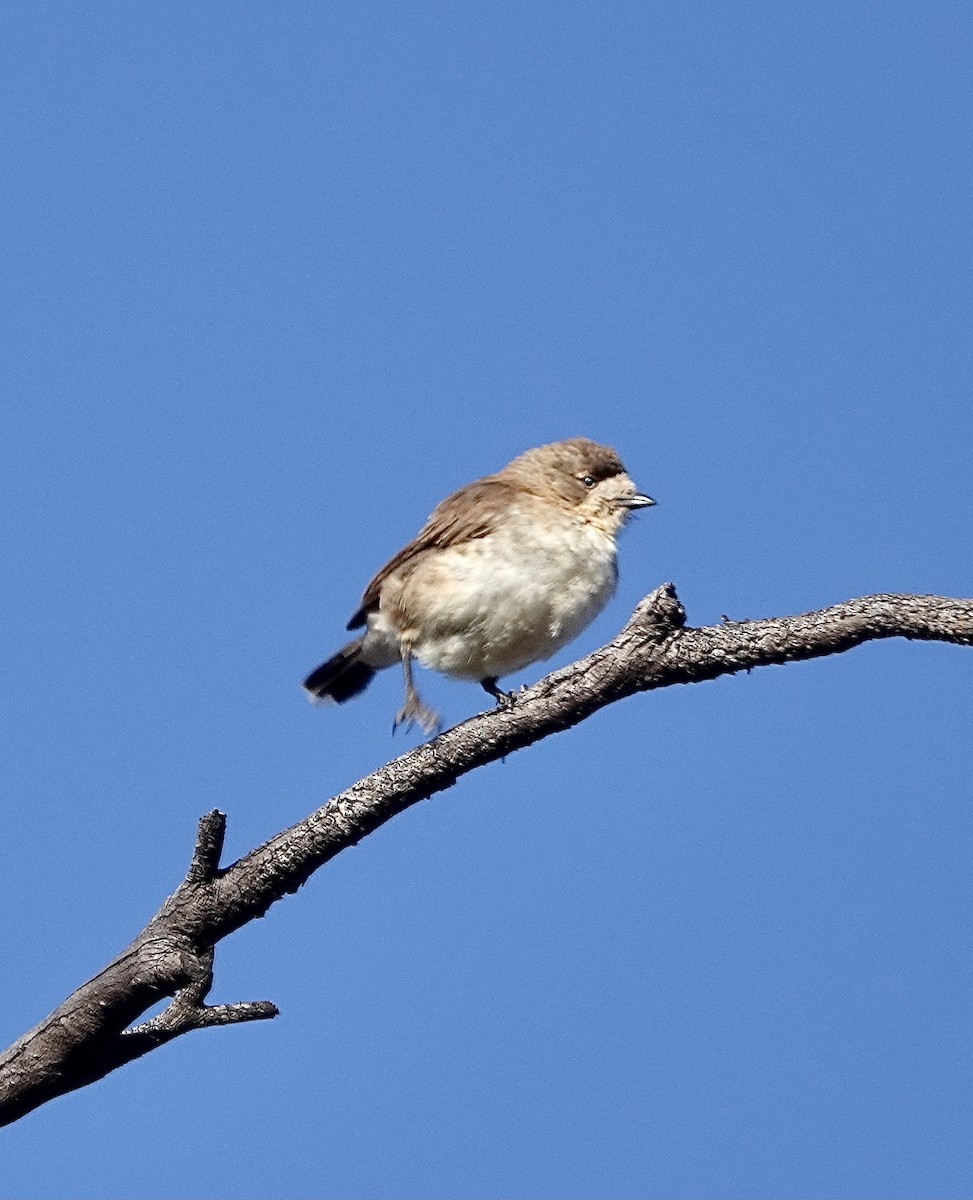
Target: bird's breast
495, 604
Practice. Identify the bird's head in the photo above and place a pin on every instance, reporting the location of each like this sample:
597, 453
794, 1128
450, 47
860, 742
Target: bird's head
584, 477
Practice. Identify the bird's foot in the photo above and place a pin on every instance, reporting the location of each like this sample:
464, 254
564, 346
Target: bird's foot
505, 700
414, 712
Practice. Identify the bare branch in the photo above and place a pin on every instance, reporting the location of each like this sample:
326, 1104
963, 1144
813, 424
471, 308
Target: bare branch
209, 848
187, 1010
91, 1033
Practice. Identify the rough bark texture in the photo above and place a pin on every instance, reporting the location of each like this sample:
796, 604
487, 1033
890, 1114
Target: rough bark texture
91, 1033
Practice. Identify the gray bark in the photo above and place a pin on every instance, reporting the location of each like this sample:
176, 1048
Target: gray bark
92, 1032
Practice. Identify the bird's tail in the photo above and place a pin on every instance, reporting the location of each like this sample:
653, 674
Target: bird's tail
344, 675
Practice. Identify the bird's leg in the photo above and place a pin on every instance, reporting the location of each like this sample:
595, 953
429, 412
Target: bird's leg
503, 699
414, 709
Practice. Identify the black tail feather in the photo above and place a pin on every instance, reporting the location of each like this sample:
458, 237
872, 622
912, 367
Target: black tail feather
344, 675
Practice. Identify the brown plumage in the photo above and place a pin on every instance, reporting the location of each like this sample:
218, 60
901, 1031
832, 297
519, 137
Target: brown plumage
472, 511
504, 572
462, 517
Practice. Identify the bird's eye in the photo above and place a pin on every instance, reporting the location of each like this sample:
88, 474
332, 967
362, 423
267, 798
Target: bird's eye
588, 481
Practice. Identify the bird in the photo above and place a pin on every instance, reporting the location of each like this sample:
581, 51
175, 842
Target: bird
504, 573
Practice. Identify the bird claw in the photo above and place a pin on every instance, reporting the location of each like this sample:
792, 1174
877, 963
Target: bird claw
505, 700
414, 712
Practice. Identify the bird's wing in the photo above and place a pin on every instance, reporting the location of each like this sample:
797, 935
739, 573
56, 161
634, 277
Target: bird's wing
462, 517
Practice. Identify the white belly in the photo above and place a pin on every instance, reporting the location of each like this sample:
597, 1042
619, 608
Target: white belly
496, 604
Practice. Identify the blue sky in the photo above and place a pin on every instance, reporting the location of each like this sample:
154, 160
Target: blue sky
278, 278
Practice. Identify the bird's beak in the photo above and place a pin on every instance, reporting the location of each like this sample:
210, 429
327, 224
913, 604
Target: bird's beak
639, 500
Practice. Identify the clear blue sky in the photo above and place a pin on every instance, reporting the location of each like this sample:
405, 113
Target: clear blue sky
279, 277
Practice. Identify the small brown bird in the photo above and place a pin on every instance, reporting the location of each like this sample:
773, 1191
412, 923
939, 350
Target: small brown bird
504, 573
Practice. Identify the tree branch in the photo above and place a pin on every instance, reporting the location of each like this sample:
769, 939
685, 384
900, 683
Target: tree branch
91, 1033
